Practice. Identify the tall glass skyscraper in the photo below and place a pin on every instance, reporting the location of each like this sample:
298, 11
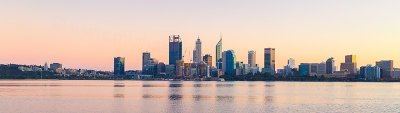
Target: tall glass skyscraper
269, 60
229, 62
175, 49
119, 66
218, 54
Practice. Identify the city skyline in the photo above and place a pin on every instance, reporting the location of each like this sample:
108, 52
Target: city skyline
89, 37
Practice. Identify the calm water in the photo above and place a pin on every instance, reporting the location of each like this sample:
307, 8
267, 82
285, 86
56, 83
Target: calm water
165, 96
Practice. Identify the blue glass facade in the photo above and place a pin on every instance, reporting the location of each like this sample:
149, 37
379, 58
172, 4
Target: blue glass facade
304, 69
119, 66
230, 62
175, 49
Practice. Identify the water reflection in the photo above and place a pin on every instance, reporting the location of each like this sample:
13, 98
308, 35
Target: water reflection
188, 96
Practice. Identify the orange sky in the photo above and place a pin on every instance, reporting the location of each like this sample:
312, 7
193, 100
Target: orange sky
88, 34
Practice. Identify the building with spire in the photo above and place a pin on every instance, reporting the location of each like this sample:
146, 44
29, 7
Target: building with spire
197, 55
218, 54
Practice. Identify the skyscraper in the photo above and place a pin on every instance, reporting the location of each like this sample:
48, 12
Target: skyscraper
350, 64
208, 59
119, 65
228, 62
218, 54
330, 66
46, 67
387, 68
269, 60
175, 49
197, 52
252, 58
145, 60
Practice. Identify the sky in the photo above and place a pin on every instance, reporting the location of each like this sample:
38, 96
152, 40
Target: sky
90, 33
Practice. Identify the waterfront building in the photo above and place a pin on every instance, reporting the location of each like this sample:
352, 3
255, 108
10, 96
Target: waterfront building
119, 65
252, 58
269, 60
387, 68
55, 66
396, 73
228, 62
371, 72
175, 49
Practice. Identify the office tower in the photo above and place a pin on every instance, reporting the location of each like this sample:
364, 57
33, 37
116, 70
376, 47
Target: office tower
252, 58
314, 68
218, 54
304, 69
370, 72
387, 68
55, 66
321, 68
119, 65
330, 66
145, 60
350, 64
46, 67
208, 59
197, 52
291, 63
228, 62
269, 60
175, 49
